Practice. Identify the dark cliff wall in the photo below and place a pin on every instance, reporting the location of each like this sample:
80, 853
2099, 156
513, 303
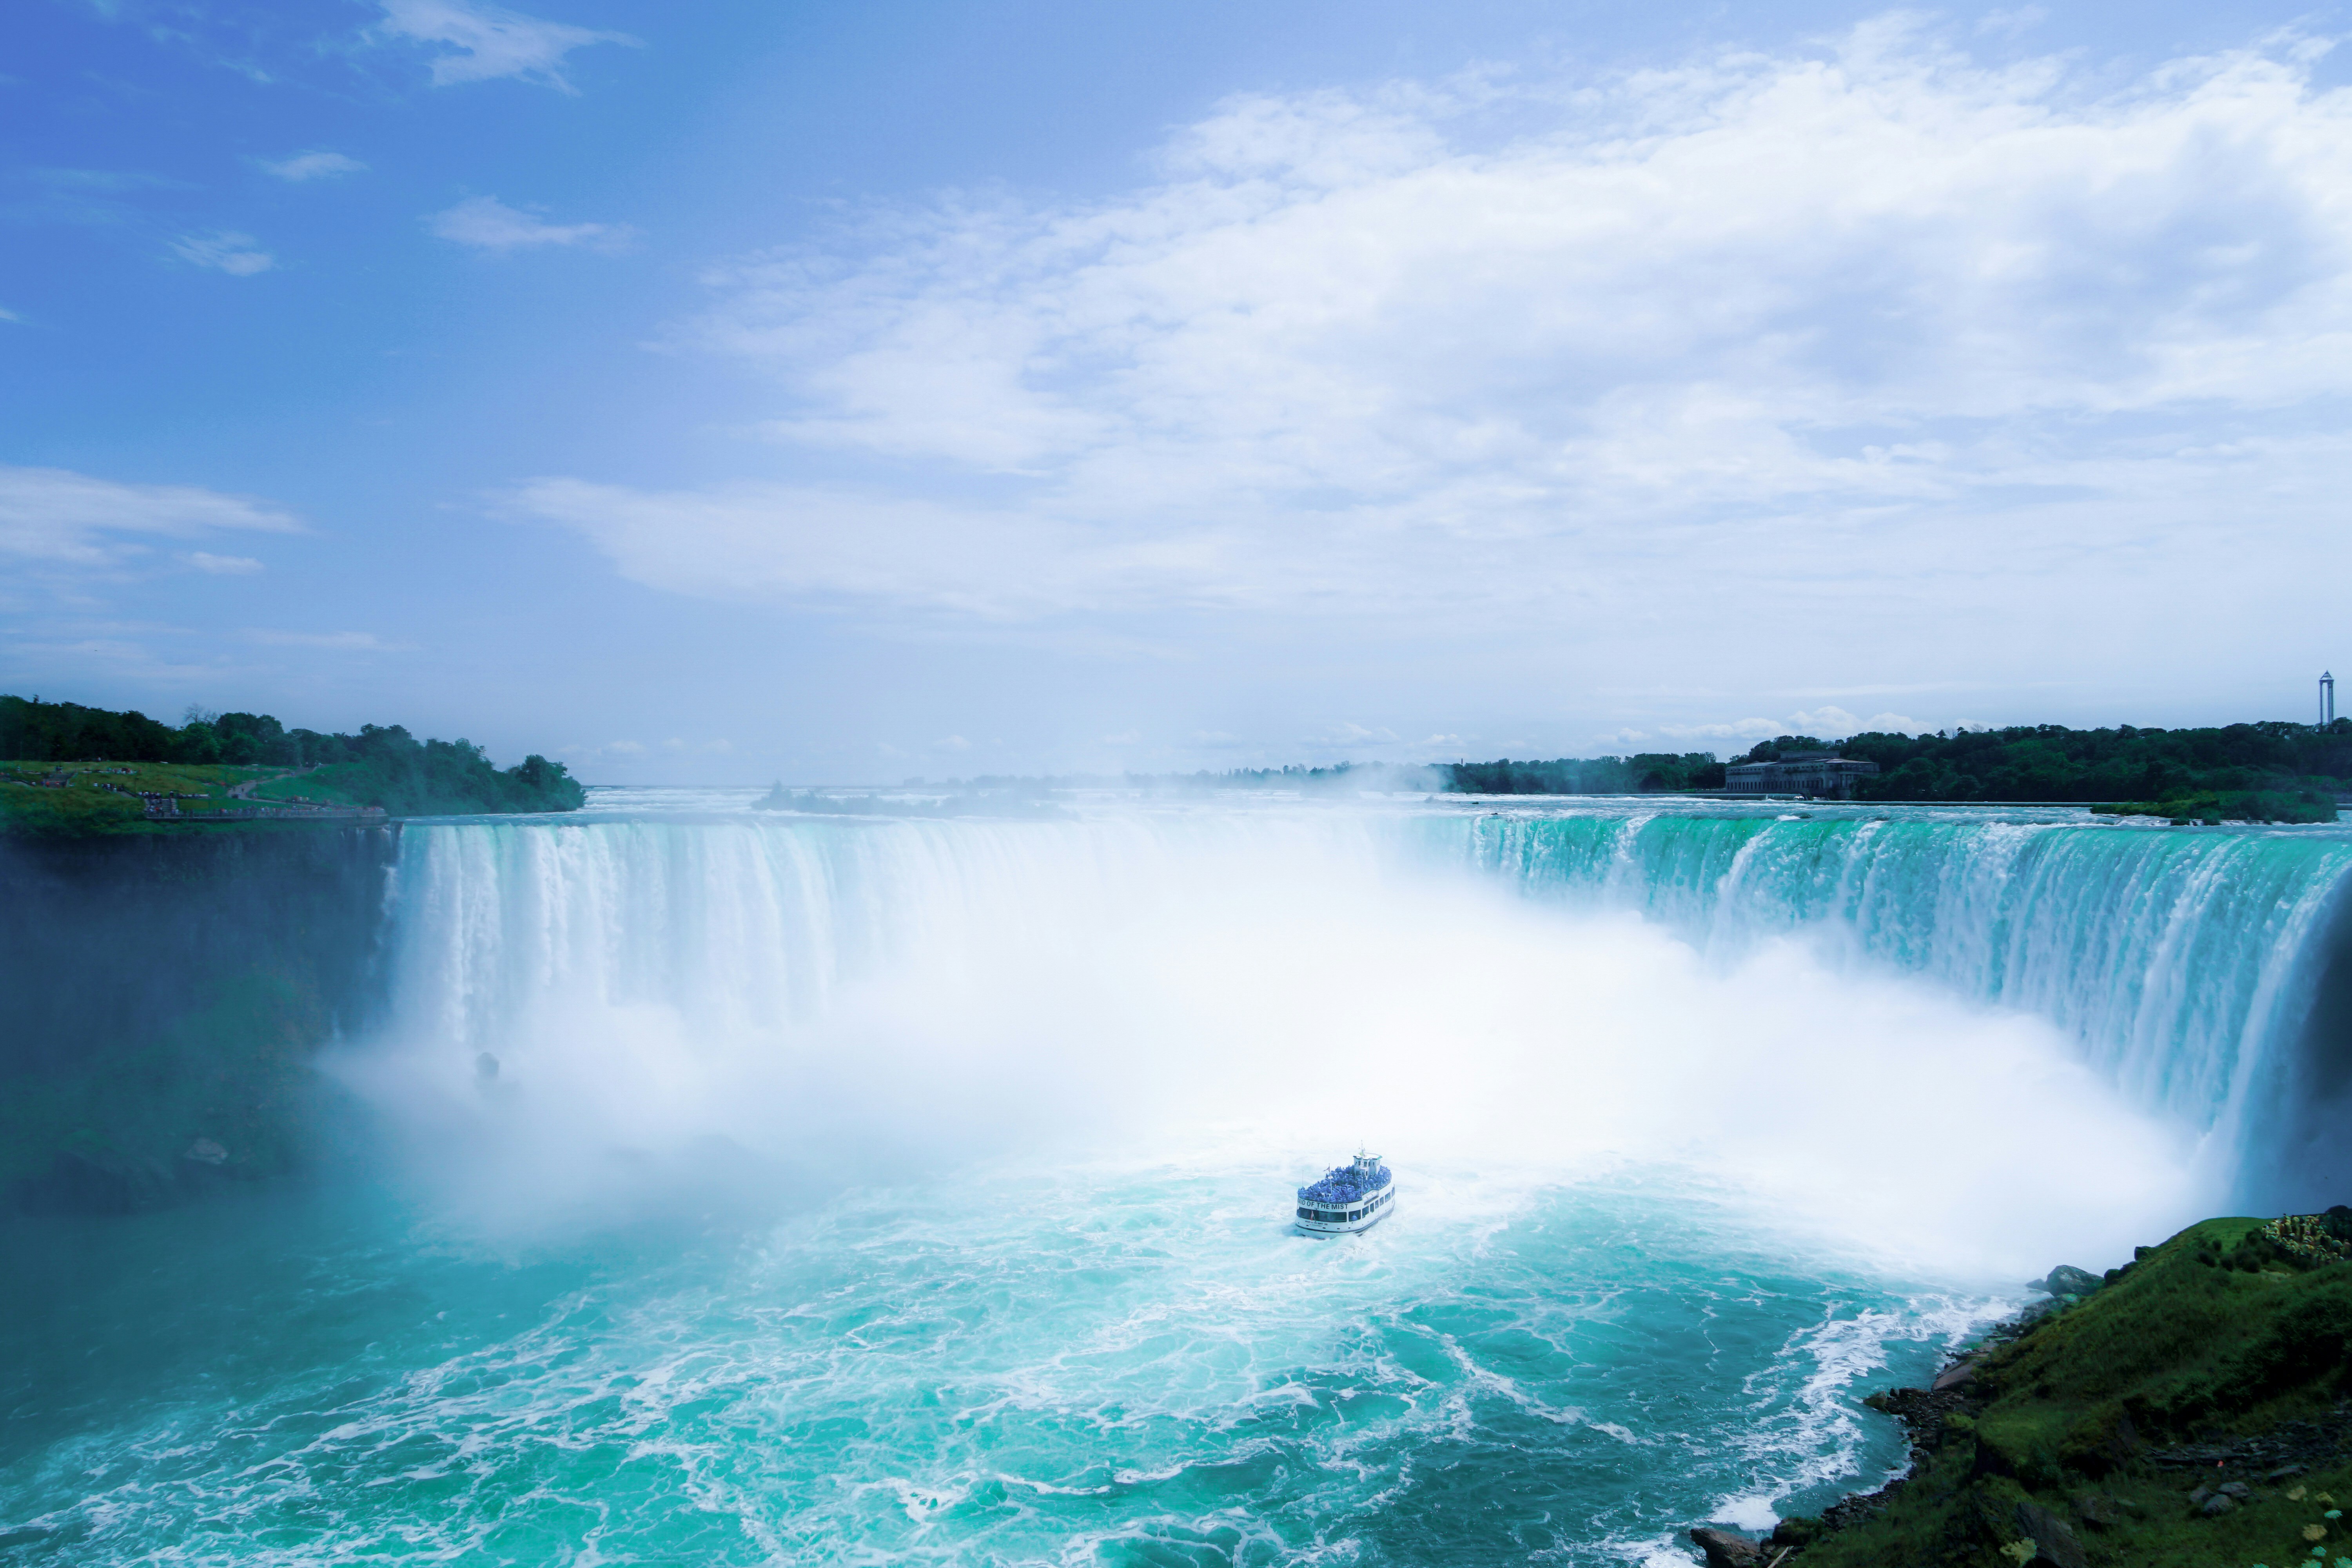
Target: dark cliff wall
2306, 1163
162, 999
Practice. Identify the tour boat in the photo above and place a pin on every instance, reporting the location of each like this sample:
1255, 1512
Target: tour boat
1349, 1197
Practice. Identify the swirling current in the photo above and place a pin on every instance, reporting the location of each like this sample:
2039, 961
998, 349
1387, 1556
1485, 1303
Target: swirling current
749, 1190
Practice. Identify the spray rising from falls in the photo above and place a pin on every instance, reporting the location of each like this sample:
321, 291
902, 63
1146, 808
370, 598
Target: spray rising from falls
1787, 1004
2185, 966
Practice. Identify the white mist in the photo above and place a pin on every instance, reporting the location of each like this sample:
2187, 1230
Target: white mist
820, 1004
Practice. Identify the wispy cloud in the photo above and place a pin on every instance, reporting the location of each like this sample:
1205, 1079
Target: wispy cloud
90, 197
325, 642
1771, 333
60, 518
488, 223
305, 166
114, 182
626, 750
1828, 723
781, 542
481, 42
224, 565
2012, 21
238, 255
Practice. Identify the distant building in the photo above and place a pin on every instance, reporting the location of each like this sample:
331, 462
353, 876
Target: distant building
1824, 773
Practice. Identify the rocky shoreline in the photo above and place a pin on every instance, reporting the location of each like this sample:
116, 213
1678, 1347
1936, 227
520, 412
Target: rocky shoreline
1972, 1492
1925, 1414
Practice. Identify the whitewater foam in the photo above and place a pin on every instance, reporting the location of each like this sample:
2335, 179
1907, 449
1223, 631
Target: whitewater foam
968, 1148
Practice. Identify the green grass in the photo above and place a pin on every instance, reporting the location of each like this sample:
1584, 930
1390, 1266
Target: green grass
337, 783
2215, 1334
2232, 805
83, 806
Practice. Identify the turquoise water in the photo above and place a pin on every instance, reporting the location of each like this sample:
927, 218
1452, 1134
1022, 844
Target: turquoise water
1137, 1367
863, 1191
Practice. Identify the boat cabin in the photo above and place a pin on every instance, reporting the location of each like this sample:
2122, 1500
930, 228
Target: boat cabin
1349, 1197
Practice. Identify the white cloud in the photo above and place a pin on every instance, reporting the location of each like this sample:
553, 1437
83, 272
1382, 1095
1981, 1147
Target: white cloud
238, 255
10, 316
305, 167
1732, 730
489, 223
1347, 732
63, 519
326, 642
1772, 330
1830, 722
224, 565
769, 541
2012, 21
490, 41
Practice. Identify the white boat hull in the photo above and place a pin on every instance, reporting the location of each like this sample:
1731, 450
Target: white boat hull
1317, 1219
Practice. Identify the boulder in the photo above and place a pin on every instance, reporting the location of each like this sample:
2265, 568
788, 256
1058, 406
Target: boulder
2238, 1489
2068, 1280
2053, 1540
2216, 1505
1956, 1376
1725, 1549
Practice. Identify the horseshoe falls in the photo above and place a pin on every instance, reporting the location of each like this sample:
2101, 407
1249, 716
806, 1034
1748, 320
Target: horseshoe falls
729, 1188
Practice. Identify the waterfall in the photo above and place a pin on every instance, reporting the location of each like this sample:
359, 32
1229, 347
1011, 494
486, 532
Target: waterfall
2182, 965
2185, 964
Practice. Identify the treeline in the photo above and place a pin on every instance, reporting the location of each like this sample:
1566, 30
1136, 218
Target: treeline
2050, 762
1645, 773
381, 765
2023, 763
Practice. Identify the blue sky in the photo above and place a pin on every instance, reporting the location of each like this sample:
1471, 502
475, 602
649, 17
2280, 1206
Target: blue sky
727, 391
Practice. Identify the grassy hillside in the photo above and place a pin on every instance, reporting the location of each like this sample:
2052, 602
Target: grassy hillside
104, 797
2190, 1412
